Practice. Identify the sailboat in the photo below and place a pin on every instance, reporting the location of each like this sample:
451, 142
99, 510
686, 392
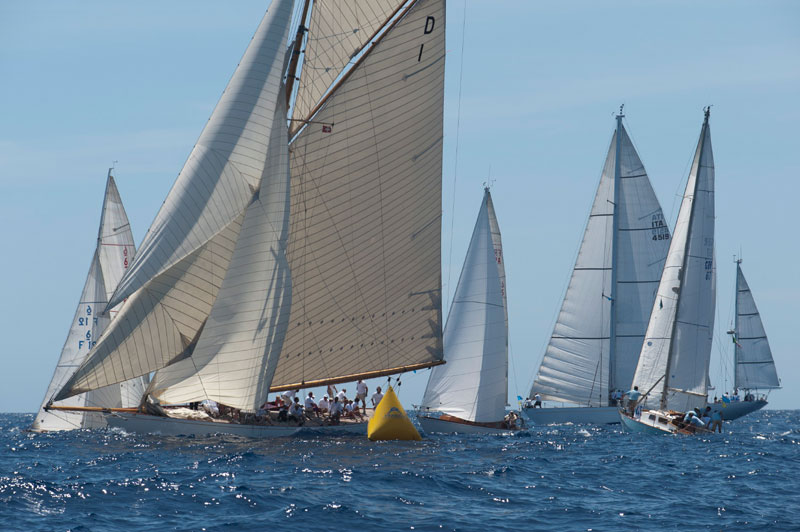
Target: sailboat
114, 252
599, 331
469, 392
754, 367
672, 372
300, 244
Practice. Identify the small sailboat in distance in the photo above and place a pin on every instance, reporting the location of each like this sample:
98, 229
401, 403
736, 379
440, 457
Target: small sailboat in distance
753, 366
112, 256
300, 244
597, 337
672, 372
469, 393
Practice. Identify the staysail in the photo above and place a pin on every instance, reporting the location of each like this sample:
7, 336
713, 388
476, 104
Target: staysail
677, 350
755, 367
253, 278
599, 332
114, 253
473, 385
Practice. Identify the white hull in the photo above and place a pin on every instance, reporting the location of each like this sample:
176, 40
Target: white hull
603, 415
731, 411
646, 425
431, 425
146, 424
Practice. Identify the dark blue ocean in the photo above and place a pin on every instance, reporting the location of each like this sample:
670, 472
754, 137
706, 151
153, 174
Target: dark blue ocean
550, 478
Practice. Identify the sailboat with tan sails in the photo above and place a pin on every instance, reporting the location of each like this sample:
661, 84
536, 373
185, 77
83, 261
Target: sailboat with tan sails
300, 244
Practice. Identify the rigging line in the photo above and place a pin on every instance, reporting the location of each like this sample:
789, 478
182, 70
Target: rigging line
455, 164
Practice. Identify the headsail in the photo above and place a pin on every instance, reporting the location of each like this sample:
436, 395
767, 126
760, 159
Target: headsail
755, 367
675, 356
473, 385
579, 365
210, 299
114, 252
177, 274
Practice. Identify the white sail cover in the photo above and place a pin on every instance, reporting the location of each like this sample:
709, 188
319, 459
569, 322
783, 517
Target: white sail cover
473, 385
755, 367
677, 350
576, 364
114, 252
338, 30
175, 279
364, 243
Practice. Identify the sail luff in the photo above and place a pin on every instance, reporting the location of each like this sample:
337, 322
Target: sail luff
612, 329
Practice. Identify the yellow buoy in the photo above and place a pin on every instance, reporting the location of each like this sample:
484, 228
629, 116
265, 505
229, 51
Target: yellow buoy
390, 421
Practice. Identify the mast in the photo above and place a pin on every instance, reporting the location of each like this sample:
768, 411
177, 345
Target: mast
291, 75
670, 353
738, 262
612, 333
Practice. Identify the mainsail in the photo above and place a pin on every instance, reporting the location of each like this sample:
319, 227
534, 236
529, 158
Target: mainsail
112, 256
677, 350
272, 265
754, 366
599, 332
473, 385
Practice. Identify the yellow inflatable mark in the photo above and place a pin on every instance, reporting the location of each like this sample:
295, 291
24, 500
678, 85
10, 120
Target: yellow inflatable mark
390, 421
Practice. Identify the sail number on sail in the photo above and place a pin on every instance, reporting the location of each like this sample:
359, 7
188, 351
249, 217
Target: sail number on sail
659, 227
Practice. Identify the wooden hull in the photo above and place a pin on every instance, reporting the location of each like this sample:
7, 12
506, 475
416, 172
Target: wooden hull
147, 424
731, 411
602, 415
433, 425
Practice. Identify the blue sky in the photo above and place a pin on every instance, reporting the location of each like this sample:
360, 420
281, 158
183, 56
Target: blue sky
88, 83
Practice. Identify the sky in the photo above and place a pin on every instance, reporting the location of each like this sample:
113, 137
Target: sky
531, 111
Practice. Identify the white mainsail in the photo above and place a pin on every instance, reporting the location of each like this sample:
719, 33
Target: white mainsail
266, 268
754, 367
599, 332
113, 254
473, 385
677, 350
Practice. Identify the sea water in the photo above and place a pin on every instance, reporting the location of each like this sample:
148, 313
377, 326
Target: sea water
548, 478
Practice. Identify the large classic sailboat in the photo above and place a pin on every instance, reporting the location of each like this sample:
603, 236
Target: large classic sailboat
294, 256
598, 335
753, 365
112, 256
469, 393
672, 371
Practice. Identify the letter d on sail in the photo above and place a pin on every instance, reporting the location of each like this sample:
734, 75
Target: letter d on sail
430, 22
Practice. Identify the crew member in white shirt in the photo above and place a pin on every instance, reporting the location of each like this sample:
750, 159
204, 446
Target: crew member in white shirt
342, 396
376, 397
361, 393
296, 411
336, 410
324, 405
311, 405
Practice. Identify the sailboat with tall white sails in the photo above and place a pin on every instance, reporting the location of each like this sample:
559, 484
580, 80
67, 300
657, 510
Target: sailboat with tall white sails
599, 332
672, 372
469, 393
112, 256
753, 365
300, 244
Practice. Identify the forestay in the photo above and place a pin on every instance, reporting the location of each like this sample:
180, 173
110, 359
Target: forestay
578, 360
115, 249
755, 367
675, 356
473, 385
